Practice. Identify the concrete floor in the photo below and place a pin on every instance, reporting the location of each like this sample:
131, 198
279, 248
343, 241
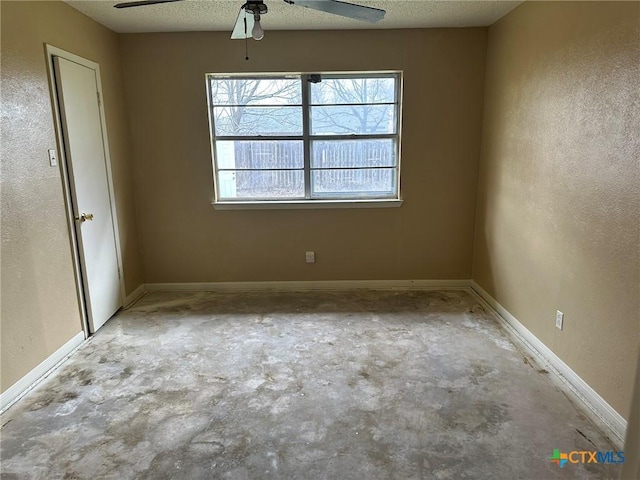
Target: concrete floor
354, 385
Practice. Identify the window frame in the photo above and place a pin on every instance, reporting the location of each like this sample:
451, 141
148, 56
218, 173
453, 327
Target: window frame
378, 199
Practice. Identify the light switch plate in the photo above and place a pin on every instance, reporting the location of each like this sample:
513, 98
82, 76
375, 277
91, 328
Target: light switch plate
53, 159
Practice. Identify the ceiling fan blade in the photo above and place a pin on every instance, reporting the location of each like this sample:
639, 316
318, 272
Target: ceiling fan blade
344, 9
141, 3
239, 32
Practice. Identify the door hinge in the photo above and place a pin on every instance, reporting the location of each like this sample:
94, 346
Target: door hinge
119, 276
99, 99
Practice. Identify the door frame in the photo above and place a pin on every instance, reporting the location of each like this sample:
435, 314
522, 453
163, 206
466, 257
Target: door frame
50, 52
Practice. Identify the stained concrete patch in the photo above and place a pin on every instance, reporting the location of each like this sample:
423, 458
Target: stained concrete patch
363, 385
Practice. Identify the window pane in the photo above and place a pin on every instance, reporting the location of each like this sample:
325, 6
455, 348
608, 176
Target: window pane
259, 154
255, 121
354, 90
360, 119
247, 184
261, 91
353, 182
353, 153
350, 124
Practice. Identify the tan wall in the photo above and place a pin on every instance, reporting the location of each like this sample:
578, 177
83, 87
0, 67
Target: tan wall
558, 223
40, 310
631, 466
186, 240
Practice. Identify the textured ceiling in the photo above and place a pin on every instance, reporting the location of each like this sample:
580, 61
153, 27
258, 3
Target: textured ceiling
220, 15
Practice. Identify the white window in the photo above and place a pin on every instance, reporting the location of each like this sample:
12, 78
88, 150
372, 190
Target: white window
305, 137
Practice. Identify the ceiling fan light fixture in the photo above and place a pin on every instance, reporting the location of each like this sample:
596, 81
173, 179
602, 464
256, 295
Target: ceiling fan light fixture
257, 32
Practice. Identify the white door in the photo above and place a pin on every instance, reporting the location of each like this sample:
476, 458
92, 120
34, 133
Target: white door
77, 90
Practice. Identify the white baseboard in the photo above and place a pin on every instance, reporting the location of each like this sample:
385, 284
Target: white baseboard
134, 296
310, 285
595, 404
35, 376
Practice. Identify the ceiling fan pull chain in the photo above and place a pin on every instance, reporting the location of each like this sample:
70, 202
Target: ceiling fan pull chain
246, 40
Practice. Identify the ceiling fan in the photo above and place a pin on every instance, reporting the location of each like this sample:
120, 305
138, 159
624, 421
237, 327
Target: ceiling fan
248, 22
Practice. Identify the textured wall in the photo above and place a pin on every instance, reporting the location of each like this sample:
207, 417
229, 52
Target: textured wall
186, 240
40, 310
558, 223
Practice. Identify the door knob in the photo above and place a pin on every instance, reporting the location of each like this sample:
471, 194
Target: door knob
84, 217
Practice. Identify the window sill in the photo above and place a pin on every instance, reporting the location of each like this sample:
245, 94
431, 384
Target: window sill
302, 204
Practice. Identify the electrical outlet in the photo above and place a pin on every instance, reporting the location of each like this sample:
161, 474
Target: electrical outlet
310, 257
559, 319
